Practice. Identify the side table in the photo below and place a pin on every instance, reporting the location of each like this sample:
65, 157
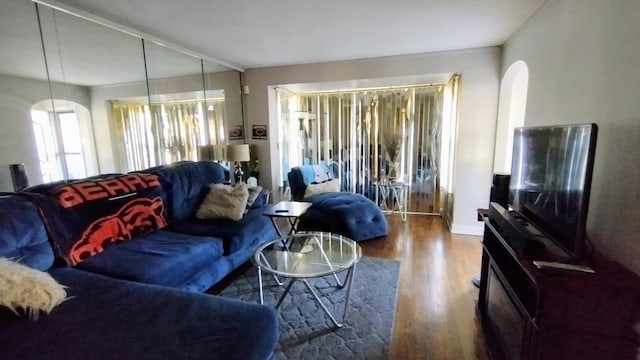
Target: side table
394, 192
291, 210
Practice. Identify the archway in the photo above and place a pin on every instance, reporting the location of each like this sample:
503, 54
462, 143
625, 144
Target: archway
511, 113
64, 140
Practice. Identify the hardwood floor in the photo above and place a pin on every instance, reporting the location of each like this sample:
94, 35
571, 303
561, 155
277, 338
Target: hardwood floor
435, 305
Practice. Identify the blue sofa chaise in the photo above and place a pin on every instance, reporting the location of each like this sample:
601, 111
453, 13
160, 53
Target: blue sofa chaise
345, 213
140, 296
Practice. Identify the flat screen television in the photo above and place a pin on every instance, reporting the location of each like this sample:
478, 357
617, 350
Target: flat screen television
550, 181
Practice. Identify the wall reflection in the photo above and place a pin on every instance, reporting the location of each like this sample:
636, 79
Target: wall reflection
85, 101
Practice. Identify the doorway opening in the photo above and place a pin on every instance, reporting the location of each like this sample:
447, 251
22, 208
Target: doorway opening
371, 136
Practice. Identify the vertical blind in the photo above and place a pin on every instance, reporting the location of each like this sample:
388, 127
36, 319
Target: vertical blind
369, 135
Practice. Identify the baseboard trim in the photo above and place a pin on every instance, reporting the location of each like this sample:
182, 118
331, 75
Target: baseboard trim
467, 229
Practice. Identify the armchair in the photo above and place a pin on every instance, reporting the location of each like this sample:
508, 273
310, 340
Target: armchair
345, 213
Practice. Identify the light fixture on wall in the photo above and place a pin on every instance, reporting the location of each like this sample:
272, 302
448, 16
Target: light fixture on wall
238, 154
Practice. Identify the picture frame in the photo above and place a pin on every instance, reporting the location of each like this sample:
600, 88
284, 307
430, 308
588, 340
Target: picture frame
259, 132
236, 132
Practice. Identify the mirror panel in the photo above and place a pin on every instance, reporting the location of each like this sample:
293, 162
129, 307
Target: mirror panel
91, 67
23, 82
176, 104
224, 102
98, 100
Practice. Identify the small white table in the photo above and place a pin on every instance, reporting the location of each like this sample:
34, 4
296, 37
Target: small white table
394, 192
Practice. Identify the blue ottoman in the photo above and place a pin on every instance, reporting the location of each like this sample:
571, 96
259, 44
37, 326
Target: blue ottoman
344, 213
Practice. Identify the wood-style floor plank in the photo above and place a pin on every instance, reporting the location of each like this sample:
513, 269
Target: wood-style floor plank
435, 315
435, 305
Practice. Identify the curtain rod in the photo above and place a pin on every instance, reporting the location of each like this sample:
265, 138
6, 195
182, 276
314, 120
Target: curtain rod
361, 89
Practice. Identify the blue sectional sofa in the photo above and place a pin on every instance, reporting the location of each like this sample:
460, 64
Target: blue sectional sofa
345, 213
137, 295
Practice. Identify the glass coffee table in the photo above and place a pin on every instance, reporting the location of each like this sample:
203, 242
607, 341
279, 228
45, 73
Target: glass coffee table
307, 255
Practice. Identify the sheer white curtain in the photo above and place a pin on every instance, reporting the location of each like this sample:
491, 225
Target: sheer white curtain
162, 133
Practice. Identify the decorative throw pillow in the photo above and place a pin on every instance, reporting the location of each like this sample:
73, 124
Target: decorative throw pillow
327, 186
254, 192
27, 289
224, 202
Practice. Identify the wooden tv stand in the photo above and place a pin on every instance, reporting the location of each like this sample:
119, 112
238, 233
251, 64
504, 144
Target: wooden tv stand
528, 313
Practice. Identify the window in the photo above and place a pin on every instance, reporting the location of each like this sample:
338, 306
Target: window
59, 144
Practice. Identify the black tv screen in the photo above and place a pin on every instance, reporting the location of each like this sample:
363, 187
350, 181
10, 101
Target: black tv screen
550, 181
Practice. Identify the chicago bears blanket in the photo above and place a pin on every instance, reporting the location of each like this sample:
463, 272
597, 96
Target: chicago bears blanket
84, 217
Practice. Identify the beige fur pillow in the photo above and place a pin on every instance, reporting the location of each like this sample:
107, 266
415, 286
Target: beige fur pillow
224, 202
28, 289
327, 186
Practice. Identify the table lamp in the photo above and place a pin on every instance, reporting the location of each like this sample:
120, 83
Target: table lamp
238, 154
219, 153
205, 152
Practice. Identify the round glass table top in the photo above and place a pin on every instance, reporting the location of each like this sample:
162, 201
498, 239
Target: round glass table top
307, 255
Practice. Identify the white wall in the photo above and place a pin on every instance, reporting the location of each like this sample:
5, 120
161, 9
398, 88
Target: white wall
583, 67
479, 69
17, 145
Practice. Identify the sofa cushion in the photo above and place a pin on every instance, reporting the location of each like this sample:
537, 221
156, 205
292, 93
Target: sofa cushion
106, 318
332, 185
253, 229
161, 257
186, 184
23, 236
86, 216
301, 176
26, 290
224, 202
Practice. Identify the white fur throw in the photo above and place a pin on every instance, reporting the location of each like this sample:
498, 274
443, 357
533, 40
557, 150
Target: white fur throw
28, 289
327, 186
224, 202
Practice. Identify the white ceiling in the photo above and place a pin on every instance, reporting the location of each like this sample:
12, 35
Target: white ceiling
258, 33
245, 34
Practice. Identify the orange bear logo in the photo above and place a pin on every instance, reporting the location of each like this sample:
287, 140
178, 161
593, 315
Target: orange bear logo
135, 217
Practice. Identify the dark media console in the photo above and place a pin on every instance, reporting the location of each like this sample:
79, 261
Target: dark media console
550, 313
524, 237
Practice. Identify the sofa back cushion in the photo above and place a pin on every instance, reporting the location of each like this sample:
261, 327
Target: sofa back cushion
302, 176
186, 184
23, 236
83, 217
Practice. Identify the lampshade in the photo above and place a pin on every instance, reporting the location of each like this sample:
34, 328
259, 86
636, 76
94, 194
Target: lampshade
205, 152
238, 152
219, 152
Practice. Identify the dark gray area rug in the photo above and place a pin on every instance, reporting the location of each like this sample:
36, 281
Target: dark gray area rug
305, 330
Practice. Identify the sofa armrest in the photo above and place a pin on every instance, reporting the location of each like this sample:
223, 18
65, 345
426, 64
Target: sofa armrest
266, 194
104, 318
